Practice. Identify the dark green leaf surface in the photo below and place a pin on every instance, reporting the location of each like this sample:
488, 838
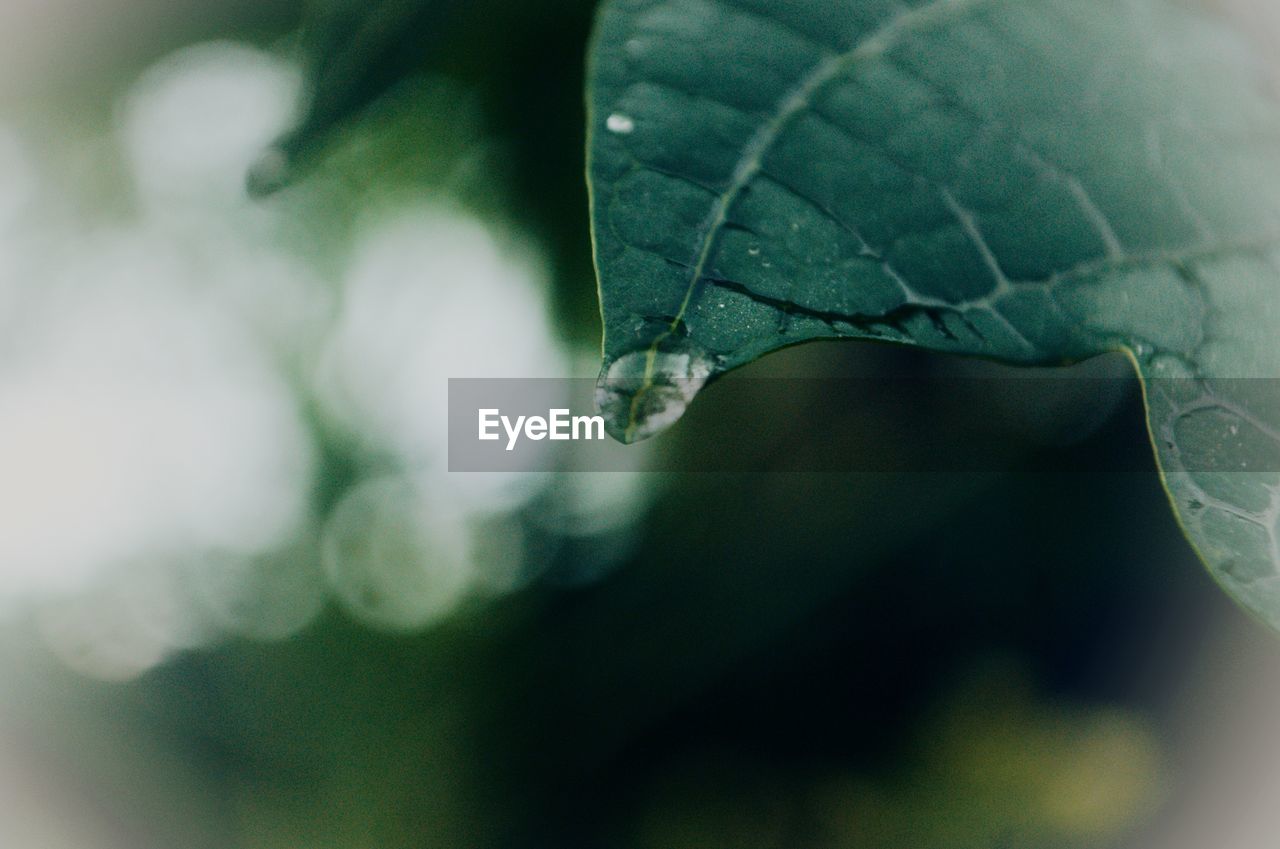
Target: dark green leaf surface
1035, 181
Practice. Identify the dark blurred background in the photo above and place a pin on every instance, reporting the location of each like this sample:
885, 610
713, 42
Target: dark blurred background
244, 603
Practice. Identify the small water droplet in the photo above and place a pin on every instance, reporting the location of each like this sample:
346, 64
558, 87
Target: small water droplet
754, 250
1141, 350
1169, 367
620, 124
643, 393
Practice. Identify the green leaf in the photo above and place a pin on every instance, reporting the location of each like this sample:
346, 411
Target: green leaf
1035, 181
355, 53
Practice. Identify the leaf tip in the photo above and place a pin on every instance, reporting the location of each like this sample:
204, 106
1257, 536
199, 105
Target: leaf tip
269, 173
643, 393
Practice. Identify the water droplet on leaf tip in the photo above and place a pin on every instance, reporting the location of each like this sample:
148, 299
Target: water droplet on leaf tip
642, 394
619, 123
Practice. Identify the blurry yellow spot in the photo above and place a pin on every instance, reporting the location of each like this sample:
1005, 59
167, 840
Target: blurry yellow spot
1104, 777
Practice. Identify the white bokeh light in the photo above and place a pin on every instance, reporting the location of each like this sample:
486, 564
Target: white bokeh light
194, 123
429, 296
395, 557
267, 597
125, 623
17, 179
156, 486
19, 186
137, 417
155, 470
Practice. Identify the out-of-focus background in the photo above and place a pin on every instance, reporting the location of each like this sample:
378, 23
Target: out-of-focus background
243, 603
